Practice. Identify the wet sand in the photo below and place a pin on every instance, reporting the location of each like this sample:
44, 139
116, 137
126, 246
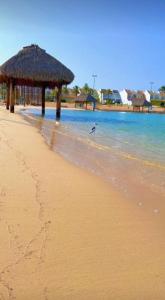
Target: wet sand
66, 234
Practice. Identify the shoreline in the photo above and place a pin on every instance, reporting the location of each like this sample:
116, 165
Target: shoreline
127, 173
106, 108
66, 233
124, 108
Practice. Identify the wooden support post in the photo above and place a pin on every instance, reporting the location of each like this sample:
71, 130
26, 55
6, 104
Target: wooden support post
94, 105
8, 96
43, 100
23, 95
58, 103
12, 96
28, 94
32, 96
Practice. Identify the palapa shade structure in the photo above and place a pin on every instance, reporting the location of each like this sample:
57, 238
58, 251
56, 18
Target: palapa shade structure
140, 103
85, 99
32, 66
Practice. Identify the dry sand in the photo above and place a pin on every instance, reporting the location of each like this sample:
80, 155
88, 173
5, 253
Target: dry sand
65, 234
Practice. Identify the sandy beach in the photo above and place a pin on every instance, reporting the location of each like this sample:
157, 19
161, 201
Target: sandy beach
67, 234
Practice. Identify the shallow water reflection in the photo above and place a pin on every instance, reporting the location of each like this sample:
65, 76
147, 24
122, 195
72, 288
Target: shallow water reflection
136, 177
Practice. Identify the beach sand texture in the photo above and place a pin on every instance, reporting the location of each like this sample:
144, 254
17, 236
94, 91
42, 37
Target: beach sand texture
66, 234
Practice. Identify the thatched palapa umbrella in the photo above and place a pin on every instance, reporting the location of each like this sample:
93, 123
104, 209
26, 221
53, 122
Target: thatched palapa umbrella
32, 66
141, 103
85, 99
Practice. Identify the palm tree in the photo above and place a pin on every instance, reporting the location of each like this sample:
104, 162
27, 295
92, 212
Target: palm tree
86, 89
162, 88
76, 90
65, 90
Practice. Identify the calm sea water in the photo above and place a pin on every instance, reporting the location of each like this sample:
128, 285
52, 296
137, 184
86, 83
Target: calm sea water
126, 148
141, 135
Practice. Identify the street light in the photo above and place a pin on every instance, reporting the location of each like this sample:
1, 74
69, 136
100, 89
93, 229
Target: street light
94, 79
151, 85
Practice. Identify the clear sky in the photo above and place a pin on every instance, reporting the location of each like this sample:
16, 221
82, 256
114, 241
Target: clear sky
122, 41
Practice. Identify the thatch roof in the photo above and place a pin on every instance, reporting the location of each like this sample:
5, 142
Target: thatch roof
85, 98
2, 77
33, 64
141, 102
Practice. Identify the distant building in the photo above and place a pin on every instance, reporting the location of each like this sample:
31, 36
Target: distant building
147, 95
162, 95
115, 97
125, 97
104, 95
130, 95
108, 94
154, 95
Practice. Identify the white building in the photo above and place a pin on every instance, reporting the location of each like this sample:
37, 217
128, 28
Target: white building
124, 97
108, 94
104, 95
155, 95
147, 95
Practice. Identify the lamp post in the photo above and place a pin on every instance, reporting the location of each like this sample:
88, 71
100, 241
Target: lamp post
94, 80
151, 85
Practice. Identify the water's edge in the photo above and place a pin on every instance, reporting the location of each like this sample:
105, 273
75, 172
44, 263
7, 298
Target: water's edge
137, 180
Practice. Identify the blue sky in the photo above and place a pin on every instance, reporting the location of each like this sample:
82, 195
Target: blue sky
120, 41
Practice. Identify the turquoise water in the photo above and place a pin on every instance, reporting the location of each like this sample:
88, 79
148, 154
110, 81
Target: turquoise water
127, 149
141, 135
